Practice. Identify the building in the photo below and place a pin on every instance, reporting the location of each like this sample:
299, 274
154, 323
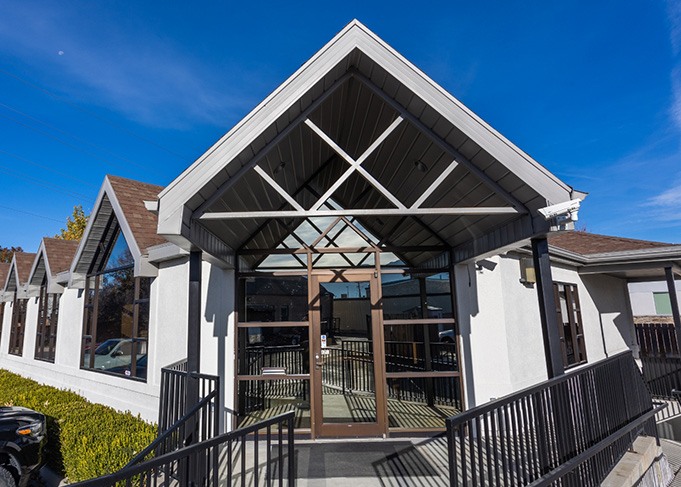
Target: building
361, 248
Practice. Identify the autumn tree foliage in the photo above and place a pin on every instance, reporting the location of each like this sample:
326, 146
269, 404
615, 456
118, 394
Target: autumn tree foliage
75, 225
6, 253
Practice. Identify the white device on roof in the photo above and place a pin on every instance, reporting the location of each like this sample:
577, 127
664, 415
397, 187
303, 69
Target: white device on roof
562, 212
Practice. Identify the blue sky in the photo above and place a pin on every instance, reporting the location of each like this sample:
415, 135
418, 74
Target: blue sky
591, 90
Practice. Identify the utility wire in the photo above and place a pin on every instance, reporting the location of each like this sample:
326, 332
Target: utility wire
29, 213
68, 134
44, 184
46, 168
63, 142
92, 114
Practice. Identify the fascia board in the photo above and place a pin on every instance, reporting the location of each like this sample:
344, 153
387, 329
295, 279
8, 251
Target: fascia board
86, 232
24, 292
164, 252
503, 150
34, 267
664, 253
355, 35
144, 268
266, 103
62, 278
261, 117
32, 291
122, 222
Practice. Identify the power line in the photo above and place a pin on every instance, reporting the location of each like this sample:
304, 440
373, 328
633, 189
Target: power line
31, 214
75, 137
44, 184
68, 144
92, 114
23, 159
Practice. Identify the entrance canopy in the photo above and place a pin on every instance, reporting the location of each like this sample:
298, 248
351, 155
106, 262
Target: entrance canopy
359, 132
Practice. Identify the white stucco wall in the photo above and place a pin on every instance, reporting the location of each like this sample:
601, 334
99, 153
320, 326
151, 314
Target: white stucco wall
167, 344
501, 329
217, 333
641, 293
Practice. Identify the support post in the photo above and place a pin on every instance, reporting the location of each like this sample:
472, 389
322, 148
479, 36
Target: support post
193, 334
673, 298
547, 307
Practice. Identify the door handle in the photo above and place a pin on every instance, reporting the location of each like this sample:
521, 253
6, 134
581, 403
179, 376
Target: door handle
318, 362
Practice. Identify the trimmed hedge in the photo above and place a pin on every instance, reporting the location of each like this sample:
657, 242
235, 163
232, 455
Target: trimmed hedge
85, 440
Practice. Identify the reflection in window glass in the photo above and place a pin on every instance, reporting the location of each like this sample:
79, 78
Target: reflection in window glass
116, 324
273, 299
420, 348
422, 402
284, 350
263, 399
120, 254
16, 335
46, 331
402, 295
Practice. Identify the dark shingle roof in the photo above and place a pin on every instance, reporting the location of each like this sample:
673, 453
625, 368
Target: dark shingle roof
60, 253
591, 243
4, 270
131, 196
24, 262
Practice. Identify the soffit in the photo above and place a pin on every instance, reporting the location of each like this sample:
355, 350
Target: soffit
361, 98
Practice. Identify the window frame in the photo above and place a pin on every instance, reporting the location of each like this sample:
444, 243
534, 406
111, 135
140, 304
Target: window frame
41, 341
18, 327
93, 280
574, 323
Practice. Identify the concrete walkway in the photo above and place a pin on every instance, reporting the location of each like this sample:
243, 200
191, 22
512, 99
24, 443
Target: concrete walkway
672, 450
365, 463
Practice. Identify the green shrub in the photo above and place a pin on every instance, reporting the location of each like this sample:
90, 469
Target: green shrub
85, 440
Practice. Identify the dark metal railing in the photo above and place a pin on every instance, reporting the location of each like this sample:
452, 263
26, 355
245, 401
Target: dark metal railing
659, 354
570, 430
198, 424
660, 363
172, 401
260, 453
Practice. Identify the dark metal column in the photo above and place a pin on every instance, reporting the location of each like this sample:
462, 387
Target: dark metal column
673, 298
547, 307
193, 330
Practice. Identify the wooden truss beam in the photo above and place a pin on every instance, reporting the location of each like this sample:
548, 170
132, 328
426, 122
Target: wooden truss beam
444, 145
217, 194
355, 165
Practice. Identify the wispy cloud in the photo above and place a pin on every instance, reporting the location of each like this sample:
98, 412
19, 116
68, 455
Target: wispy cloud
145, 77
666, 206
674, 17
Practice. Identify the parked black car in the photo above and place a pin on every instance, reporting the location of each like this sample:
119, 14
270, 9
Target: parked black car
22, 438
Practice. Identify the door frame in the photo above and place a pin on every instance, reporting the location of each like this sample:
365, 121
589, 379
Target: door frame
319, 428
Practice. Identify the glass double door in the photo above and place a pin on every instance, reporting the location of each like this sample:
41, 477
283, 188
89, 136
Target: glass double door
348, 360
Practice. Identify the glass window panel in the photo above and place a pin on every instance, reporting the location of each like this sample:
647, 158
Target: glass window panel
116, 344
273, 298
420, 348
422, 402
346, 260
16, 337
264, 399
663, 305
275, 349
401, 297
115, 305
439, 295
120, 255
283, 261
